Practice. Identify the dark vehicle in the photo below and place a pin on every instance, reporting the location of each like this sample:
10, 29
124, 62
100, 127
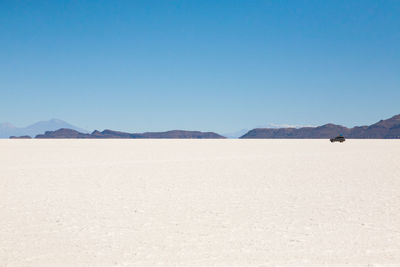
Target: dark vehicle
339, 138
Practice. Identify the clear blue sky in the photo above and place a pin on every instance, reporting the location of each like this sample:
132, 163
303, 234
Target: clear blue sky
219, 65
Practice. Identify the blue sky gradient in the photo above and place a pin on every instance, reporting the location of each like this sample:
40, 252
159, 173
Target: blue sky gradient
220, 65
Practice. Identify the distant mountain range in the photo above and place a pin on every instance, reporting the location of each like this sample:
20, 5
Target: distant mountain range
7, 129
384, 129
177, 134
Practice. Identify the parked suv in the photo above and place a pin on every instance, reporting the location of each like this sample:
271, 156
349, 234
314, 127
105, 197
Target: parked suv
339, 138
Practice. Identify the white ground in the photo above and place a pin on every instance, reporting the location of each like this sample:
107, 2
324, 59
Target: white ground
199, 202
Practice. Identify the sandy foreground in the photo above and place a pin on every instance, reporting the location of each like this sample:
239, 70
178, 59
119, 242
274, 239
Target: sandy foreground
199, 203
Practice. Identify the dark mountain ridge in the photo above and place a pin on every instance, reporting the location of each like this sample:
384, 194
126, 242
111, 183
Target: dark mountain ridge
107, 134
384, 129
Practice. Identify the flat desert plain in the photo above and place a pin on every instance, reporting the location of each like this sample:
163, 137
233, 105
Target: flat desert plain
199, 203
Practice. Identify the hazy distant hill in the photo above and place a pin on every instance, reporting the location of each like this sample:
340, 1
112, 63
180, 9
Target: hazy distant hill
7, 129
177, 134
236, 134
385, 129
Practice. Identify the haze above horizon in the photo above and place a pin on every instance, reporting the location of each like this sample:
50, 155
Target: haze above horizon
203, 65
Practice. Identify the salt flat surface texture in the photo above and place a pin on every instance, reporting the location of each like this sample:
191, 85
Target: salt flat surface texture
199, 203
